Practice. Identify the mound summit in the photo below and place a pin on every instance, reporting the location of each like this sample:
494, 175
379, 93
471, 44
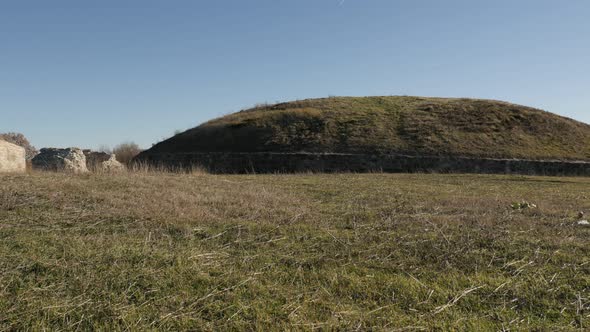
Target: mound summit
370, 132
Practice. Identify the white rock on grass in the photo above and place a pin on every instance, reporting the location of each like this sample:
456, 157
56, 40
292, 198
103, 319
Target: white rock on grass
102, 162
12, 158
583, 223
71, 160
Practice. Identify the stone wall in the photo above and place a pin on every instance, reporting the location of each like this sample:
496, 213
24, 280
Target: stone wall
12, 158
102, 162
60, 160
304, 162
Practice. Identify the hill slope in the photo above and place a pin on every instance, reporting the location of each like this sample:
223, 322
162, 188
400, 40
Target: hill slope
410, 125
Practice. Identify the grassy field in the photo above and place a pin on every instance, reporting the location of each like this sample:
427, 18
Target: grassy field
293, 252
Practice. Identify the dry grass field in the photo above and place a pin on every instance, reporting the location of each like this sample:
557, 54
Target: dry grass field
395, 252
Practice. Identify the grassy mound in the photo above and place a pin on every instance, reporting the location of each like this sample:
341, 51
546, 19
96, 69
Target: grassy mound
410, 125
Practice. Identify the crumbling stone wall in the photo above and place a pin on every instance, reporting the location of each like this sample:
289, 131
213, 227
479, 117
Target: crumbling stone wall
12, 158
320, 162
65, 160
102, 162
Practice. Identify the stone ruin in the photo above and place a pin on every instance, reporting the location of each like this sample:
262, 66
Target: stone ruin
102, 162
12, 158
71, 160
74, 160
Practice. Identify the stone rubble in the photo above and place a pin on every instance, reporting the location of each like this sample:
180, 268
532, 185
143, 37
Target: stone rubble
12, 158
102, 162
70, 160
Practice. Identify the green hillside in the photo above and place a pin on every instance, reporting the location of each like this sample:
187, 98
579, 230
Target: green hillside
410, 125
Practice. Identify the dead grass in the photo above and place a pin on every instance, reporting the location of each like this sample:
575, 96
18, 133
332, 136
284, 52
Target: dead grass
154, 250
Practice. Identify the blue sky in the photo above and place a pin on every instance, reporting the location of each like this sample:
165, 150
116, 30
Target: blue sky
82, 73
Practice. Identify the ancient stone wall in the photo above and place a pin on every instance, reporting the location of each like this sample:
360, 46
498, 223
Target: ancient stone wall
62, 160
317, 162
12, 158
102, 162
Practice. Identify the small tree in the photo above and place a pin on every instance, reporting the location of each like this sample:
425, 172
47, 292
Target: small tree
20, 140
126, 151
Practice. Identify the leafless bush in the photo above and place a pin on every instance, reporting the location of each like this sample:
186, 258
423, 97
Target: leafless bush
125, 152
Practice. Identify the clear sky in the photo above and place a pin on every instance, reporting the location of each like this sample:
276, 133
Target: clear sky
87, 73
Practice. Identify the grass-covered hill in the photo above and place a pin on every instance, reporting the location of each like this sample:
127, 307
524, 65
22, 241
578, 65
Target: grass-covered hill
410, 125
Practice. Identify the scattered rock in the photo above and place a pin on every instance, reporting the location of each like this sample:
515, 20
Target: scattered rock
12, 158
70, 160
583, 223
102, 162
581, 215
523, 205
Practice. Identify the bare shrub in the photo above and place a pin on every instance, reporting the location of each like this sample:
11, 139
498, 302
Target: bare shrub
125, 152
